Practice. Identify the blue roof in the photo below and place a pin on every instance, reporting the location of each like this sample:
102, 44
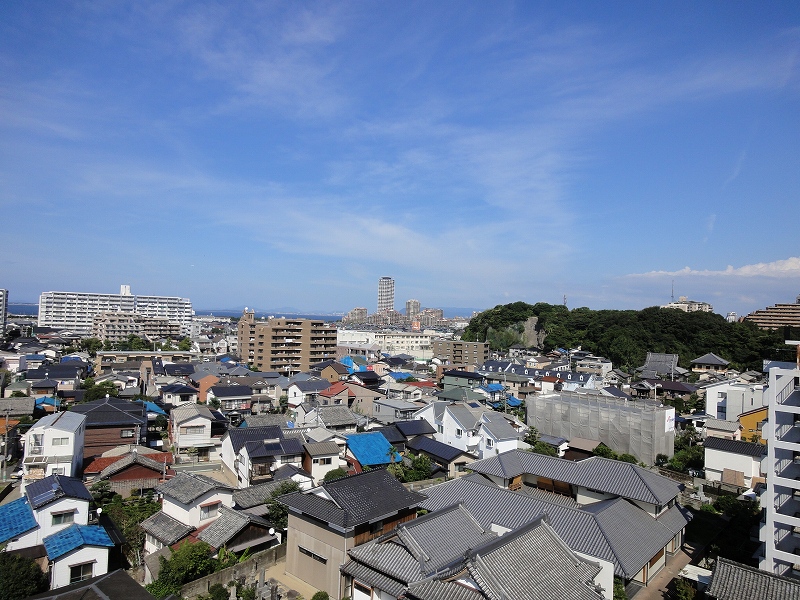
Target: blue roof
512, 401
400, 375
73, 537
154, 408
371, 448
493, 387
15, 519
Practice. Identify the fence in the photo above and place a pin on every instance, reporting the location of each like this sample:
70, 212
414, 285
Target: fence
246, 572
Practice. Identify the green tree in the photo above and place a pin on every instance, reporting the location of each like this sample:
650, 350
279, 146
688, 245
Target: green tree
531, 436
544, 448
278, 511
619, 589
18, 394
320, 596
337, 473
98, 391
605, 452
683, 590
91, 346
20, 577
127, 515
185, 345
190, 561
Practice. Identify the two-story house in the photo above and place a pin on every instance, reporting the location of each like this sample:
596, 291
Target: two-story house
54, 446
189, 501
190, 428
253, 454
327, 521
111, 422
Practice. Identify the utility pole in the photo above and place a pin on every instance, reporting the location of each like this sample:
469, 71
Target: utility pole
5, 446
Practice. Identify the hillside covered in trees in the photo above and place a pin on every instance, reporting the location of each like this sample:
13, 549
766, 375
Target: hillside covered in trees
626, 336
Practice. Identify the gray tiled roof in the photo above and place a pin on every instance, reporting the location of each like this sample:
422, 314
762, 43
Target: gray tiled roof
551, 569
434, 589
239, 436
719, 424
186, 486
356, 499
636, 539
609, 476
166, 529
267, 419
228, 525
710, 359
321, 448
130, 459
255, 494
499, 426
735, 581
676, 518
333, 416
735, 446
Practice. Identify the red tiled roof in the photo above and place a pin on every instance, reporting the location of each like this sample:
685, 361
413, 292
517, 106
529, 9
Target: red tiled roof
100, 463
335, 389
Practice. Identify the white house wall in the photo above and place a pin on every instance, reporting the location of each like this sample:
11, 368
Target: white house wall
60, 569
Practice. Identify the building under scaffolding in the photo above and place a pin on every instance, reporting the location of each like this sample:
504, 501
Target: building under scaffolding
640, 427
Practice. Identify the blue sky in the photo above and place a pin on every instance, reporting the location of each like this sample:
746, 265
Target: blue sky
289, 154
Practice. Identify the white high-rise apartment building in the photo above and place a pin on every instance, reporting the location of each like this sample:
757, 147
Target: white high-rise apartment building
3, 311
76, 310
385, 294
780, 530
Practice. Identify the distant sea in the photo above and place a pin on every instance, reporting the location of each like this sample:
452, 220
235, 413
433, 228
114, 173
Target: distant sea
32, 310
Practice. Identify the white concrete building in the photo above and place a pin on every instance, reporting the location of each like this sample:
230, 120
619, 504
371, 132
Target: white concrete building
780, 531
76, 310
726, 400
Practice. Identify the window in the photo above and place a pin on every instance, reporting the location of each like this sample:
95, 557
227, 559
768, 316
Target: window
154, 541
59, 471
459, 432
61, 441
193, 430
316, 557
81, 572
209, 511
322, 461
489, 443
440, 428
63, 518
126, 433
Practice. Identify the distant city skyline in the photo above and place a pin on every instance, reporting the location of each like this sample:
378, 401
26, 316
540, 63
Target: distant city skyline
267, 154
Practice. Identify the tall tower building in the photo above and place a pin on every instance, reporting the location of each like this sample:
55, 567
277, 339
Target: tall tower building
3, 311
412, 308
385, 294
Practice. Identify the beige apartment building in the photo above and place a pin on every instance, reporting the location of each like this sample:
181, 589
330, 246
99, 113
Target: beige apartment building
117, 326
456, 352
285, 345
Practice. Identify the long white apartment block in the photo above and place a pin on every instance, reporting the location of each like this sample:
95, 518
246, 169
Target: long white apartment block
76, 310
780, 529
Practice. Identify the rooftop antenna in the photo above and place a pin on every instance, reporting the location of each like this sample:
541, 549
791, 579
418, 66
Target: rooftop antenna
565, 300
673, 290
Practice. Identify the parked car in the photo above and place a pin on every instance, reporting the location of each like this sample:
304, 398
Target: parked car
17, 474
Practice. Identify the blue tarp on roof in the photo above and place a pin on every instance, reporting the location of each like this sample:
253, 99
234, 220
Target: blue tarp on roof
493, 387
400, 375
73, 537
48, 400
371, 448
512, 401
154, 408
15, 519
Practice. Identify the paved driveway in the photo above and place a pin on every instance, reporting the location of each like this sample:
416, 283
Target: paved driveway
658, 588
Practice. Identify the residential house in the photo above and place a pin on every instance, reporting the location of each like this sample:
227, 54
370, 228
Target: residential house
710, 363
732, 461
331, 370
368, 379
659, 365
337, 393
752, 423
388, 411
730, 430
178, 394
470, 428
77, 553
53, 446
137, 470
111, 422
461, 379
252, 454
300, 392
588, 481
189, 501
327, 521
614, 531
116, 584
231, 397
320, 458
735, 581
453, 461
334, 418
190, 427
449, 554
370, 449
237, 531
414, 428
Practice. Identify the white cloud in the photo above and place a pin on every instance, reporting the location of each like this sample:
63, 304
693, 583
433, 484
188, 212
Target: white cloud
780, 269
